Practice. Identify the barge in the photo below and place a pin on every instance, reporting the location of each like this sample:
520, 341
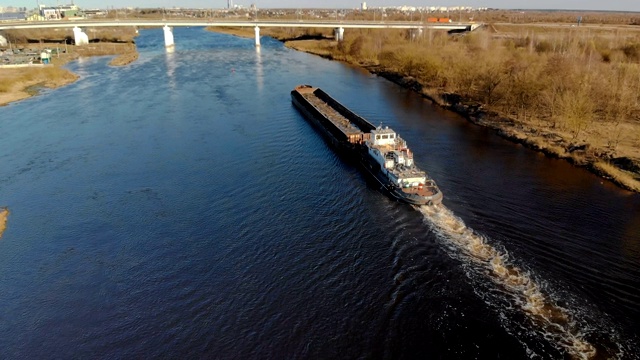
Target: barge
381, 152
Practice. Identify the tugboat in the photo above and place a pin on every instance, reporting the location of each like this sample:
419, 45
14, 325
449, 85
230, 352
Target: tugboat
381, 152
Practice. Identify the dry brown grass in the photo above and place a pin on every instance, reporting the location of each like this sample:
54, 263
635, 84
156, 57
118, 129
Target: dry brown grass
50, 75
102, 49
96, 34
322, 48
4, 213
562, 17
15, 82
124, 59
625, 179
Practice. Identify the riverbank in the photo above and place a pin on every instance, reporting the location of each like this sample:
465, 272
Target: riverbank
623, 170
20, 83
602, 135
4, 213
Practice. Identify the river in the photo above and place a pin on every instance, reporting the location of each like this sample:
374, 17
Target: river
181, 207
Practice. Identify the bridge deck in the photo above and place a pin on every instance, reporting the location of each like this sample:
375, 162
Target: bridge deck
260, 23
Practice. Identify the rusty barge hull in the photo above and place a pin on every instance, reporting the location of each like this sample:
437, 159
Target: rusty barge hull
342, 128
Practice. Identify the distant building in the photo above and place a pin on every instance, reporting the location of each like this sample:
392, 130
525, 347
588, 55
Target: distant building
229, 4
363, 6
51, 13
35, 17
59, 12
94, 12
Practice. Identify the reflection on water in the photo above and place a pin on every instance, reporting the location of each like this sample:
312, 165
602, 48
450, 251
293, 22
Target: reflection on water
259, 75
171, 61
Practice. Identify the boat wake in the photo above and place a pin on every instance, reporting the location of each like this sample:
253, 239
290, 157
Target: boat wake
550, 320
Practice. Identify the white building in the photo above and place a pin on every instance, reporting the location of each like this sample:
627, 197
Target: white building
51, 13
58, 12
363, 6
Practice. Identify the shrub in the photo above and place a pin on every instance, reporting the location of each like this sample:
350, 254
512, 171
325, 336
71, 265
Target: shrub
544, 46
355, 49
632, 51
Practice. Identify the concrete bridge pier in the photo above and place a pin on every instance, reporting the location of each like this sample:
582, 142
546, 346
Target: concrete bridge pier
168, 37
415, 34
79, 37
338, 34
257, 33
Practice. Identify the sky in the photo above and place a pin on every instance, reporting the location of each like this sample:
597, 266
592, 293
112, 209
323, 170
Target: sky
615, 5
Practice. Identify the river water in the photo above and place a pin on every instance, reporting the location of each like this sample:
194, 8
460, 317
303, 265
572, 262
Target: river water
181, 207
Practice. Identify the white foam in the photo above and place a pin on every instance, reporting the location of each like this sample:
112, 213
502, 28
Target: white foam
551, 320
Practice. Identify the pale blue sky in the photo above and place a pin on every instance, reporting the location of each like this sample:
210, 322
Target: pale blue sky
619, 5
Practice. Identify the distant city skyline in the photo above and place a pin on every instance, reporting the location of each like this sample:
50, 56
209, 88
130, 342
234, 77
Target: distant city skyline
613, 5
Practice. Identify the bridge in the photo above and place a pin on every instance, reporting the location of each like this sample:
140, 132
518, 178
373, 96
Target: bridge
167, 25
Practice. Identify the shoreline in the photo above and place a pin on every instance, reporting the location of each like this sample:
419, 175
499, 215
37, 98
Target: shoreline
125, 59
27, 89
622, 171
549, 143
53, 76
4, 213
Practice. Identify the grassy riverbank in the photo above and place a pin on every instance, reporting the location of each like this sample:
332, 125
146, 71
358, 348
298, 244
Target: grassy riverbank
570, 92
18, 83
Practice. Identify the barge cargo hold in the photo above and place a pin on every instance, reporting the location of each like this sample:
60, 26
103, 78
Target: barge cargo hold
380, 151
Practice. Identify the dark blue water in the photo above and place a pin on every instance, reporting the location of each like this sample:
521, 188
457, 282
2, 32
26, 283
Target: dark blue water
182, 207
